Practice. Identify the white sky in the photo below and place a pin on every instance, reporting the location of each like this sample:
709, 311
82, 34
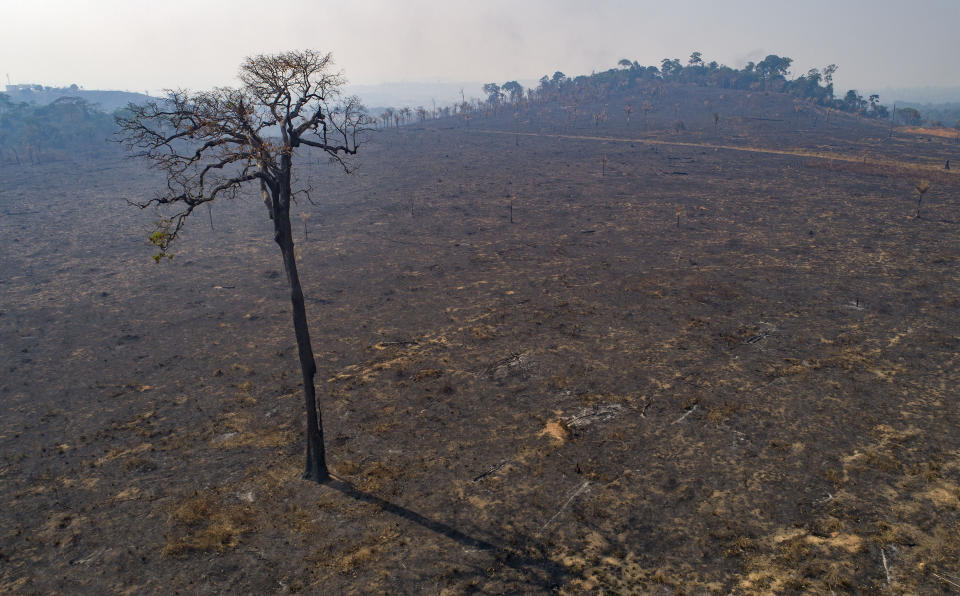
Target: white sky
138, 45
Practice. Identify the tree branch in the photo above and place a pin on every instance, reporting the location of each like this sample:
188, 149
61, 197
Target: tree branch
209, 144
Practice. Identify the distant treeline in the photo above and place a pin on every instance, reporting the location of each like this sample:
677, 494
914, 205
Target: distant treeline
64, 128
104, 100
770, 74
945, 114
815, 87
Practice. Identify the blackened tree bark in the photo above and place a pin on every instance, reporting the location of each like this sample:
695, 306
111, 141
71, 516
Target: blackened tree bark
211, 144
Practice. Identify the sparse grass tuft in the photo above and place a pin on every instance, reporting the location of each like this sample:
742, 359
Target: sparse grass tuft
204, 524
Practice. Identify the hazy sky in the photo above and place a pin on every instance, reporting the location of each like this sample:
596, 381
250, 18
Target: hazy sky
138, 45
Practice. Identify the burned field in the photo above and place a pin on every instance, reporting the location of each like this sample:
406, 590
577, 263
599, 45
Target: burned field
716, 359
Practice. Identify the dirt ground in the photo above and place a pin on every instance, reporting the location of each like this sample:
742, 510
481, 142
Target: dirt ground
715, 360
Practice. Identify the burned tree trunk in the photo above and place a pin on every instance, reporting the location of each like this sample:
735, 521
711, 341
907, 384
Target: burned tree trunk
316, 466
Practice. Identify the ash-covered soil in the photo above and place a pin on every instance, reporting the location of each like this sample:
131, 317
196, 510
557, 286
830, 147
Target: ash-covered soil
685, 369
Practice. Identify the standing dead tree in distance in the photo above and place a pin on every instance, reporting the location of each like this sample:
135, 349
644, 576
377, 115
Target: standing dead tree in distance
921, 188
211, 144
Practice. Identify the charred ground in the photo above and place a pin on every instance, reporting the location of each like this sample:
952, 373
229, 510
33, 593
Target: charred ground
702, 369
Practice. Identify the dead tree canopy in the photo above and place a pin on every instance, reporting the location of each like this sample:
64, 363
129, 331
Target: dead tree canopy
210, 144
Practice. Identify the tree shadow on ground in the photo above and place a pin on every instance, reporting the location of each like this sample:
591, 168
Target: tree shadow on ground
524, 556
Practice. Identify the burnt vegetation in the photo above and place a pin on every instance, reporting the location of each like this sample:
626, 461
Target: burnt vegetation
562, 344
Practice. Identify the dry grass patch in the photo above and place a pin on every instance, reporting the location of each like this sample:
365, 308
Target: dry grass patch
239, 429
205, 524
943, 133
557, 431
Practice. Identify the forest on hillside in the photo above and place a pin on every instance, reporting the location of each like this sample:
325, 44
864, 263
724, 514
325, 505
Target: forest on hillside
770, 74
815, 87
31, 132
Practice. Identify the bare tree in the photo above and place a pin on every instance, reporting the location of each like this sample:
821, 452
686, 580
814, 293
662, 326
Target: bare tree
387, 117
921, 187
211, 144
